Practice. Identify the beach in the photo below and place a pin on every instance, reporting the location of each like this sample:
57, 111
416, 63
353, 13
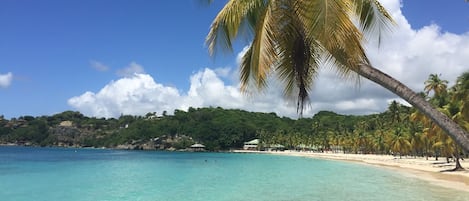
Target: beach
73, 174
433, 171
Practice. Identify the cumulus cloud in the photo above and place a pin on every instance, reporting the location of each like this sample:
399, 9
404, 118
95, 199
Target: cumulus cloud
140, 94
130, 70
99, 66
406, 54
5, 79
137, 94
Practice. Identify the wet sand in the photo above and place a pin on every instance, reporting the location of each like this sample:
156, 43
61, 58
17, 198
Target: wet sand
431, 170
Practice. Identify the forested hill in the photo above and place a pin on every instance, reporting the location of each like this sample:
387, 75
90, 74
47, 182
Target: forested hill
216, 128
398, 130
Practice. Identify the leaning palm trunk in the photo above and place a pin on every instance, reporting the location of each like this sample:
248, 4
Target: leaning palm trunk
457, 156
449, 126
458, 164
293, 39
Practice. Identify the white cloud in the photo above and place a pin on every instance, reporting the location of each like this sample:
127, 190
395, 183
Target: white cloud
5, 79
406, 54
361, 104
99, 66
223, 72
130, 70
138, 94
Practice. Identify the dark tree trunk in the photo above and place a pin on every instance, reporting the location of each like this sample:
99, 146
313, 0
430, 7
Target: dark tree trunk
457, 156
458, 165
427, 151
460, 136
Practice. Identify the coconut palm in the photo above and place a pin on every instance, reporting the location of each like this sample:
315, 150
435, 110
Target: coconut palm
379, 142
415, 135
428, 132
346, 141
399, 143
293, 39
394, 112
439, 88
453, 109
435, 84
444, 144
428, 138
417, 142
461, 94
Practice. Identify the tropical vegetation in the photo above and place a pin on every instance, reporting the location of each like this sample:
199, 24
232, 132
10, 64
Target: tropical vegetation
293, 39
400, 130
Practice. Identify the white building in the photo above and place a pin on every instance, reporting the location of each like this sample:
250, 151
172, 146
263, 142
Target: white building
251, 145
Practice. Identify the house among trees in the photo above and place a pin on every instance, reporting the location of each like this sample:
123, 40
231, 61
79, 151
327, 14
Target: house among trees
251, 145
198, 147
275, 147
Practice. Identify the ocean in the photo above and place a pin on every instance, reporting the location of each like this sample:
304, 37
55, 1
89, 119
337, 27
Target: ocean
68, 174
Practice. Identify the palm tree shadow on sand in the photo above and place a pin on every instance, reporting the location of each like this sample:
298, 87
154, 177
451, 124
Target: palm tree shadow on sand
457, 168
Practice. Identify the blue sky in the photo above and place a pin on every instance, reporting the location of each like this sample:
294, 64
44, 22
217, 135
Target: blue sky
82, 55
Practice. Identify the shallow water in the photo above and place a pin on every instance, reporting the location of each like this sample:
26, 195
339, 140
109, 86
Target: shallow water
91, 174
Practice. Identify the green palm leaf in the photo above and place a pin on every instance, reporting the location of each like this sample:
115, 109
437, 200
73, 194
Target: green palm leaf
293, 39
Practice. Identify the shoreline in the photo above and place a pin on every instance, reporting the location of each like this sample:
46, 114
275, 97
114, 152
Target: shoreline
431, 171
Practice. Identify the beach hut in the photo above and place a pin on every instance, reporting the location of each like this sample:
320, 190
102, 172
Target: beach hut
251, 145
276, 147
198, 147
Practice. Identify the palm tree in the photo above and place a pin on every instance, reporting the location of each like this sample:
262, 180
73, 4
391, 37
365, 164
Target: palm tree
379, 137
394, 112
346, 142
428, 130
461, 94
435, 84
439, 88
293, 39
399, 142
361, 138
453, 109
416, 136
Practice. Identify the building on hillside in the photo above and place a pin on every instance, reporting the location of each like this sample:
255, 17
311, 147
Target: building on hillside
251, 145
198, 147
275, 147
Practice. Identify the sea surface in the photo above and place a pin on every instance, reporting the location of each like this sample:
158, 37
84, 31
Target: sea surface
65, 174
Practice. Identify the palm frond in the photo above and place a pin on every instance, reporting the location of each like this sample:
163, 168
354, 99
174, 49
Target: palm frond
293, 39
258, 61
263, 47
298, 59
225, 27
329, 23
245, 74
373, 18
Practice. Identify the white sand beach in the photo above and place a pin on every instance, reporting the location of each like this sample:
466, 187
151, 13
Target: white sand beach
431, 170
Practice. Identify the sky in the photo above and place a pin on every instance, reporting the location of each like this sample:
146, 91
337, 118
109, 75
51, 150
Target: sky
108, 58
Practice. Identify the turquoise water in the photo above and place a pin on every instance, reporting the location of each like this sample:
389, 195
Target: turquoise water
56, 174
